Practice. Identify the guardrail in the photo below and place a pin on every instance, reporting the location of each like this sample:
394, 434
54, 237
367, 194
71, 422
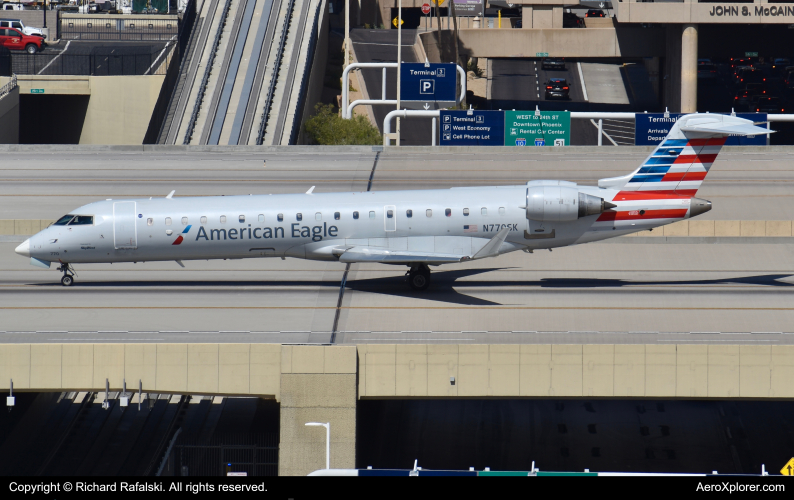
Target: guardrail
8, 87
587, 115
142, 63
130, 28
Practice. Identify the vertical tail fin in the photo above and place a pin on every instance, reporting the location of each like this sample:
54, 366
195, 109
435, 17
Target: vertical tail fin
677, 167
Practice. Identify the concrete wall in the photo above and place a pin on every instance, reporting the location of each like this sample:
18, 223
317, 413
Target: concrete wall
314, 89
621, 41
119, 109
318, 384
9, 117
623, 370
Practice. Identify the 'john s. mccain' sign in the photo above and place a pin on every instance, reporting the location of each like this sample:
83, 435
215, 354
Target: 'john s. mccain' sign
750, 10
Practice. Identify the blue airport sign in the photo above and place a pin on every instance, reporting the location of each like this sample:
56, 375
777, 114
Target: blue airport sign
472, 128
434, 84
650, 129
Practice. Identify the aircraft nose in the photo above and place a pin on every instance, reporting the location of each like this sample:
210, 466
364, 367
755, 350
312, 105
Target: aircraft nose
24, 248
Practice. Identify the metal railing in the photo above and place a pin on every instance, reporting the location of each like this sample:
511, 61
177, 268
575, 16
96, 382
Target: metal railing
131, 28
255, 454
97, 64
8, 87
586, 115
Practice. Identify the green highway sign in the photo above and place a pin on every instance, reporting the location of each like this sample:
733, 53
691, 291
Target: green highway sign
541, 54
549, 128
36, 91
751, 54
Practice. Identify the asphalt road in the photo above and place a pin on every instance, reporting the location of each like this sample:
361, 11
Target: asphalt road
605, 292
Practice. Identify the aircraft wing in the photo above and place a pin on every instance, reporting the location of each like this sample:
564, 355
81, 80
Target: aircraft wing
386, 256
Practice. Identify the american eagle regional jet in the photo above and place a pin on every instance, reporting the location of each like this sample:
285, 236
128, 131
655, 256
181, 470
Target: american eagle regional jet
414, 228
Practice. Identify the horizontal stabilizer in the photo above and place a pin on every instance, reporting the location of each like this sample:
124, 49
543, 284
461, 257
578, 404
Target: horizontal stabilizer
727, 128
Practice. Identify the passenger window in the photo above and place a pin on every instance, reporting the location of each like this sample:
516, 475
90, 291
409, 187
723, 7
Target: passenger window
355, 215
465, 212
280, 217
318, 216
409, 213
336, 215
448, 212
203, 219
429, 213
261, 217
223, 219
501, 210
484, 211
242, 218
371, 214
184, 221
149, 221
168, 221
389, 214
299, 216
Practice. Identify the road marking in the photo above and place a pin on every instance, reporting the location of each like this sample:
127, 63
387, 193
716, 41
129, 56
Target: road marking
159, 55
54, 58
581, 78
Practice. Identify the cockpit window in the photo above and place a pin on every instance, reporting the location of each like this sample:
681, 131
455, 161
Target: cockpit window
64, 220
82, 220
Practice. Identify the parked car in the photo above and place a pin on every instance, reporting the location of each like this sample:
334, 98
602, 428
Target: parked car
595, 13
553, 63
707, 71
19, 25
557, 88
13, 6
12, 39
769, 105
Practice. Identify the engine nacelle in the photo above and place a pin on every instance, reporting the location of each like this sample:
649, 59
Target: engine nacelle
562, 203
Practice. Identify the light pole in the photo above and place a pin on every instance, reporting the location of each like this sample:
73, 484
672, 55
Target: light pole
399, 58
327, 426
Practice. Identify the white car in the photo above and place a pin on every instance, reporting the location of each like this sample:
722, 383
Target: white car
18, 24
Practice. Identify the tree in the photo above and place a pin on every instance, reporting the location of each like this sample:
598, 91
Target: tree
326, 127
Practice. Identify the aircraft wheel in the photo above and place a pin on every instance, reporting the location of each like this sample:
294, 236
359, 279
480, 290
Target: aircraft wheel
67, 280
419, 281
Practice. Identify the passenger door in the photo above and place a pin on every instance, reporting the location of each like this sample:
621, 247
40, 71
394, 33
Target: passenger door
14, 39
125, 233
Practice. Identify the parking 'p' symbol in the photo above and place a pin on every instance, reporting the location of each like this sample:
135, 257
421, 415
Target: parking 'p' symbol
426, 86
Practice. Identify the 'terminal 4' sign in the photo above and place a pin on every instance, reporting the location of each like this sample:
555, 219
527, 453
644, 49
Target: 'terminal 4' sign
433, 84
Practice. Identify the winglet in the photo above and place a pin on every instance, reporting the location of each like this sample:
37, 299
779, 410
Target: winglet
179, 262
310, 190
171, 194
491, 249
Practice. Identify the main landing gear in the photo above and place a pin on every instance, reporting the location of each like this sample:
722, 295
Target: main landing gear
419, 277
68, 274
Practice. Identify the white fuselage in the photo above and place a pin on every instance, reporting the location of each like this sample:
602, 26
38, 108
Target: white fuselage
234, 227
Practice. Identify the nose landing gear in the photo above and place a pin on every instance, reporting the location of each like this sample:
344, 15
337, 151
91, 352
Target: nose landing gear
419, 277
68, 274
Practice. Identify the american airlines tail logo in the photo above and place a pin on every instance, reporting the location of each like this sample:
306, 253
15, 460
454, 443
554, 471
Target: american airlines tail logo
179, 238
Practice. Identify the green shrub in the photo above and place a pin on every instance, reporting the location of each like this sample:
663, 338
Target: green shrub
326, 127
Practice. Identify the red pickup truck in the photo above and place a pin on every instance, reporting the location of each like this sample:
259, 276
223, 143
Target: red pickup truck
16, 40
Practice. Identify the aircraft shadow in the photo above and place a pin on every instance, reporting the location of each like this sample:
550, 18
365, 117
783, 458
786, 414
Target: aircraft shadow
446, 286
